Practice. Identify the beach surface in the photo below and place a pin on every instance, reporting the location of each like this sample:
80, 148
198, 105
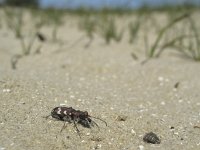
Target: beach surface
134, 98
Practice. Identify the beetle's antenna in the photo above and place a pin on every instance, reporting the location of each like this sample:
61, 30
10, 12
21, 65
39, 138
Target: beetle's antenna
99, 119
96, 125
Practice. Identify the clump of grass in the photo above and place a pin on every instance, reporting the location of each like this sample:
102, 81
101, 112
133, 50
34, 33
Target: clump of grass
55, 19
109, 31
133, 29
162, 32
172, 43
14, 20
48, 17
0, 21
187, 45
88, 25
194, 46
27, 47
39, 18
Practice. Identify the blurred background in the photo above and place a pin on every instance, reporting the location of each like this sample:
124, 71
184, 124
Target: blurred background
152, 26
100, 3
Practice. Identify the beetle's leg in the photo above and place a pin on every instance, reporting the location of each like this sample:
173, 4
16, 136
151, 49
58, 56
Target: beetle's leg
64, 126
77, 128
67, 119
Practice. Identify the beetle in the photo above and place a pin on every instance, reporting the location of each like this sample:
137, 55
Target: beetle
70, 115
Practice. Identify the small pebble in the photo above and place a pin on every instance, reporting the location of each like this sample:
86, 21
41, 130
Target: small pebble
176, 85
2, 148
180, 101
96, 139
160, 78
154, 115
99, 145
176, 133
83, 141
141, 147
62, 104
121, 118
162, 103
151, 138
6, 90
167, 80
133, 132
72, 96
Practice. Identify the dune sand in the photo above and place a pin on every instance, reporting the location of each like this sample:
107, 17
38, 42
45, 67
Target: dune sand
103, 80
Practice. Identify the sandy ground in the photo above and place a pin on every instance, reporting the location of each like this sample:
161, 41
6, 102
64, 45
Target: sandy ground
105, 81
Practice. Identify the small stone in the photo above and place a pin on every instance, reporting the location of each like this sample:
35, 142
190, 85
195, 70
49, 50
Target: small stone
96, 139
151, 138
72, 96
99, 145
160, 78
2, 148
6, 90
141, 147
162, 103
83, 141
176, 85
62, 104
121, 118
133, 132
180, 101
176, 133
111, 108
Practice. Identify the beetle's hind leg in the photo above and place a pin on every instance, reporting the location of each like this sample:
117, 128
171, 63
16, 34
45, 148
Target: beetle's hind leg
63, 127
77, 130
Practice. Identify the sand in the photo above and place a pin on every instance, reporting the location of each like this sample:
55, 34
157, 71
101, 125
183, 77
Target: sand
103, 80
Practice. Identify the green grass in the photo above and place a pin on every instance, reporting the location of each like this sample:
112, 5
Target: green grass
55, 19
14, 20
109, 31
48, 17
134, 29
88, 24
162, 32
188, 45
185, 41
103, 22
